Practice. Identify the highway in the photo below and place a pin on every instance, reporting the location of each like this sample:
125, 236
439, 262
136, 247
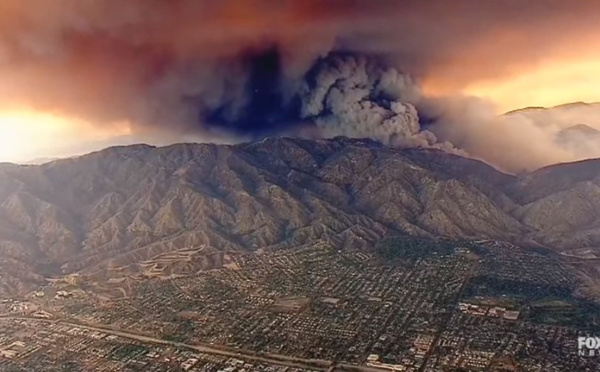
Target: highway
249, 355
312, 364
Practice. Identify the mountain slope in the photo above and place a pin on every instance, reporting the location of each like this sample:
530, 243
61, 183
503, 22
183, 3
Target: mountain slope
112, 213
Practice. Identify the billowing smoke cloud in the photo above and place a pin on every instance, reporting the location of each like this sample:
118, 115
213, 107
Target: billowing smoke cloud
518, 141
250, 68
354, 96
349, 95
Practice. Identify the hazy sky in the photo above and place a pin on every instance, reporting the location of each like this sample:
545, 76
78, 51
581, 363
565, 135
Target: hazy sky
79, 74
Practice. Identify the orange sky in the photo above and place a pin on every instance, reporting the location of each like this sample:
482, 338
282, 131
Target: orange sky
75, 68
550, 84
28, 135
556, 80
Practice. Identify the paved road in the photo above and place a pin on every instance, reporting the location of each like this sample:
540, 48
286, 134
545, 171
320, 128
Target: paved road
448, 316
318, 365
278, 359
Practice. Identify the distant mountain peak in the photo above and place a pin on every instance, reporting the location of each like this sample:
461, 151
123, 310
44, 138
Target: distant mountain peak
580, 129
564, 106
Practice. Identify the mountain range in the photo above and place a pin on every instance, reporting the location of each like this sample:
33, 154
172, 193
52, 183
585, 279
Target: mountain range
574, 125
112, 213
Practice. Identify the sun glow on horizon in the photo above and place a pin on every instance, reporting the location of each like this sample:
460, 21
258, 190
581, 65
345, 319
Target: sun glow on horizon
547, 85
26, 134
558, 80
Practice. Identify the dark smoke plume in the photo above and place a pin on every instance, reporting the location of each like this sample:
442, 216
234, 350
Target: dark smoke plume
355, 96
343, 93
262, 105
250, 68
